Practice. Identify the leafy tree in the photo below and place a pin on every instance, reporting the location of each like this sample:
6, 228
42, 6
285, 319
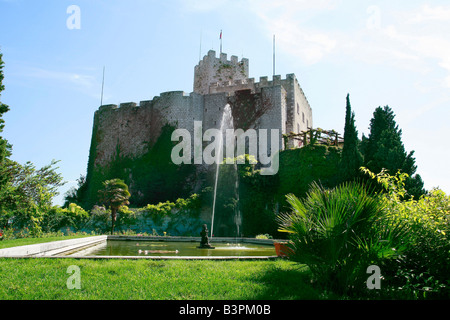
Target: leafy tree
5, 148
422, 272
72, 217
114, 195
384, 149
28, 193
351, 159
73, 195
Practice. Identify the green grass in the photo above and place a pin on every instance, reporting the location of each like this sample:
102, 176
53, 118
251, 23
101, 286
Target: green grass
123, 279
46, 279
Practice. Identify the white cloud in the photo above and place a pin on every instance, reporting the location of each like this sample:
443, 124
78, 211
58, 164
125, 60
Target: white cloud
285, 19
81, 80
414, 39
291, 6
427, 14
411, 115
310, 45
202, 5
84, 83
423, 33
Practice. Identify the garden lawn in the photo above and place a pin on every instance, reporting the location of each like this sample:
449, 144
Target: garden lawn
46, 279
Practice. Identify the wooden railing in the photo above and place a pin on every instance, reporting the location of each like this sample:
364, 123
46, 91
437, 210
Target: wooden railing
314, 136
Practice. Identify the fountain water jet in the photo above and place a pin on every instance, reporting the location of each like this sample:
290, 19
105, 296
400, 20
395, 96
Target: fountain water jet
226, 124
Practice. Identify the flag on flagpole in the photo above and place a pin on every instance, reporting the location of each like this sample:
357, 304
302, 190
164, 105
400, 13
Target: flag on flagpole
220, 41
220, 34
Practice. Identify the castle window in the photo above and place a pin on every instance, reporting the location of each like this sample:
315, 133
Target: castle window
298, 109
298, 128
303, 116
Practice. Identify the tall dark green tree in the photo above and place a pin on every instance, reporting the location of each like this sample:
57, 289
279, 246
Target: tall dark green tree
384, 149
351, 159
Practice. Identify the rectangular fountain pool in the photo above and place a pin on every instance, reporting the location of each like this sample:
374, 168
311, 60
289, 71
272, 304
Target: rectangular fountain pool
136, 248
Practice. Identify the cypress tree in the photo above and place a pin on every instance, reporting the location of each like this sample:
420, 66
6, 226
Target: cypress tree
351, 159
384, 149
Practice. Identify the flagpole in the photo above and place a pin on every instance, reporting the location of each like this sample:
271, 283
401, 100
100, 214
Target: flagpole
103, 85
220, 41
200, 53
274, 53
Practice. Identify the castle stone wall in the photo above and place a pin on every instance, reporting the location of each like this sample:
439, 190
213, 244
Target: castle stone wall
275, 117
213, 110
298, 113
129, 130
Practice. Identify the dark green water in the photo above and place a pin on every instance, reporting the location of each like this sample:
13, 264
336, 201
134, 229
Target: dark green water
151, 248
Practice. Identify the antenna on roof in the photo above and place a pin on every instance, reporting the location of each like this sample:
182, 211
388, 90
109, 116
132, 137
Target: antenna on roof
103, 85
274, 53
200, 53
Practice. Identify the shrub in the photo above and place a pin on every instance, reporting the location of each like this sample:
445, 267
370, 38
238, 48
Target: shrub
74, 217
339, 233
99, 220
264, 236
422, 271
181, 217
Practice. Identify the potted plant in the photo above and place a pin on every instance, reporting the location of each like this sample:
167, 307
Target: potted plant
283, 249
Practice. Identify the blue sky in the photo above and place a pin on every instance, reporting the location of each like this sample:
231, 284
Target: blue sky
394, 53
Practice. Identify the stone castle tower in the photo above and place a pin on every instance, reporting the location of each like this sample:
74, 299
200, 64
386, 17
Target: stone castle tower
129, 130
217, 81
212, 70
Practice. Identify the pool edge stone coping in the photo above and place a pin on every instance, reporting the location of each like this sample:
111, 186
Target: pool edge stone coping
49, 249
56, 249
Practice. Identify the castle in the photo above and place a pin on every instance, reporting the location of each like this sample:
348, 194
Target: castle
129, 129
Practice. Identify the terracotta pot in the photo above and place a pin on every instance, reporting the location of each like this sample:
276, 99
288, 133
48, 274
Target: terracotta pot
282, 249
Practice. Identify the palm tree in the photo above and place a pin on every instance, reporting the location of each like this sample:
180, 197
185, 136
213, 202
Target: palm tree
114, 195
340, 232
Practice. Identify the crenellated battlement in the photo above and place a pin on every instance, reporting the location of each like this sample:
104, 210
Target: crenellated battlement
263, 82
108, 107
166, 96
213, 69
230, 87
211, 59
